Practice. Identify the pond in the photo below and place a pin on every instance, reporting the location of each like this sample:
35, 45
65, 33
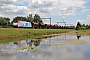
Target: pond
64, 47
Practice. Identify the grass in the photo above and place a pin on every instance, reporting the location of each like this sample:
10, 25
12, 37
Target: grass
18, 31
11, 31
4, 41
84, 32
34, 33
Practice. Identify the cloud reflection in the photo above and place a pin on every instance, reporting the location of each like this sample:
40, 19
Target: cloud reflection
63, 52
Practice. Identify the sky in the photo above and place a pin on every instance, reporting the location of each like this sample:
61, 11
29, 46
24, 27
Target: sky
69, 11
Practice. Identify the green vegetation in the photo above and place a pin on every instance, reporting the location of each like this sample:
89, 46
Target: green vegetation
4, 41
82, 26
37, 19
19, 31
13, 34
84, 32
23, 34
5, 22
28, 18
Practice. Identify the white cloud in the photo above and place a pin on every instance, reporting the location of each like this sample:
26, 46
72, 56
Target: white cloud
61, 8
88, 17
1, 15
86, 21
85, 10
11, 10
44, 10
81, 21
40, 4
2, 2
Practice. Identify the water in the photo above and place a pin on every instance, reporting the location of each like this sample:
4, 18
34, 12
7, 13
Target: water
63, 47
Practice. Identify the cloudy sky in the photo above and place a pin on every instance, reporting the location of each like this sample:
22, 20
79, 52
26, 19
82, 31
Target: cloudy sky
71, 11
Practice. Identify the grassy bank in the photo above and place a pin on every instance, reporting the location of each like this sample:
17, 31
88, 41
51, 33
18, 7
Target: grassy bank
84, 32
79, 32
15, 34
21, 31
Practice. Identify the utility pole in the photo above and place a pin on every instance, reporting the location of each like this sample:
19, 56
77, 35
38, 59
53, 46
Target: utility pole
70, 24
48, 18
50, 21
62, 22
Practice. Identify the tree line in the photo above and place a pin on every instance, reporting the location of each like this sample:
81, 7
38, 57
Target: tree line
29, 18
5, 22
82, 26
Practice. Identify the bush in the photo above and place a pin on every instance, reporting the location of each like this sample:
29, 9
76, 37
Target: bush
78, 28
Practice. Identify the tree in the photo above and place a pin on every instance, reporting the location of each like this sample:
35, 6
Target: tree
19, 18
37, 18
30, 18
78, 24
4, 21
83, 25
78, 27
87, 25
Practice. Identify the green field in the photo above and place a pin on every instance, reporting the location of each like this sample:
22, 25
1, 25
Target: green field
19, 31
85, 32
15, 34
6, 34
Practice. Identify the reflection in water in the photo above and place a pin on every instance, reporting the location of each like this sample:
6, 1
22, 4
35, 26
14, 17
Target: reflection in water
78, 36
37, 43
66, 51
18, 43
32, 43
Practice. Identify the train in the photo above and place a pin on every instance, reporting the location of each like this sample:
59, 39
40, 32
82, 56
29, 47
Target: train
36, 25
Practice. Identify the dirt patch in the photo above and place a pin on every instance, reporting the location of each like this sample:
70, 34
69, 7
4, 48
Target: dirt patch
76, 41
54, 44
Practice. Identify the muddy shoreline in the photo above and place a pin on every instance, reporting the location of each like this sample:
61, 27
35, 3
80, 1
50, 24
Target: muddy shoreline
72, 33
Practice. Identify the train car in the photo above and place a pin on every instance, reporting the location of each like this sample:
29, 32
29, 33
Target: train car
22, 24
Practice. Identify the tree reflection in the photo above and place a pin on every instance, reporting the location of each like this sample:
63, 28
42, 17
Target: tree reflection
33, 43
78, 37
37, 43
